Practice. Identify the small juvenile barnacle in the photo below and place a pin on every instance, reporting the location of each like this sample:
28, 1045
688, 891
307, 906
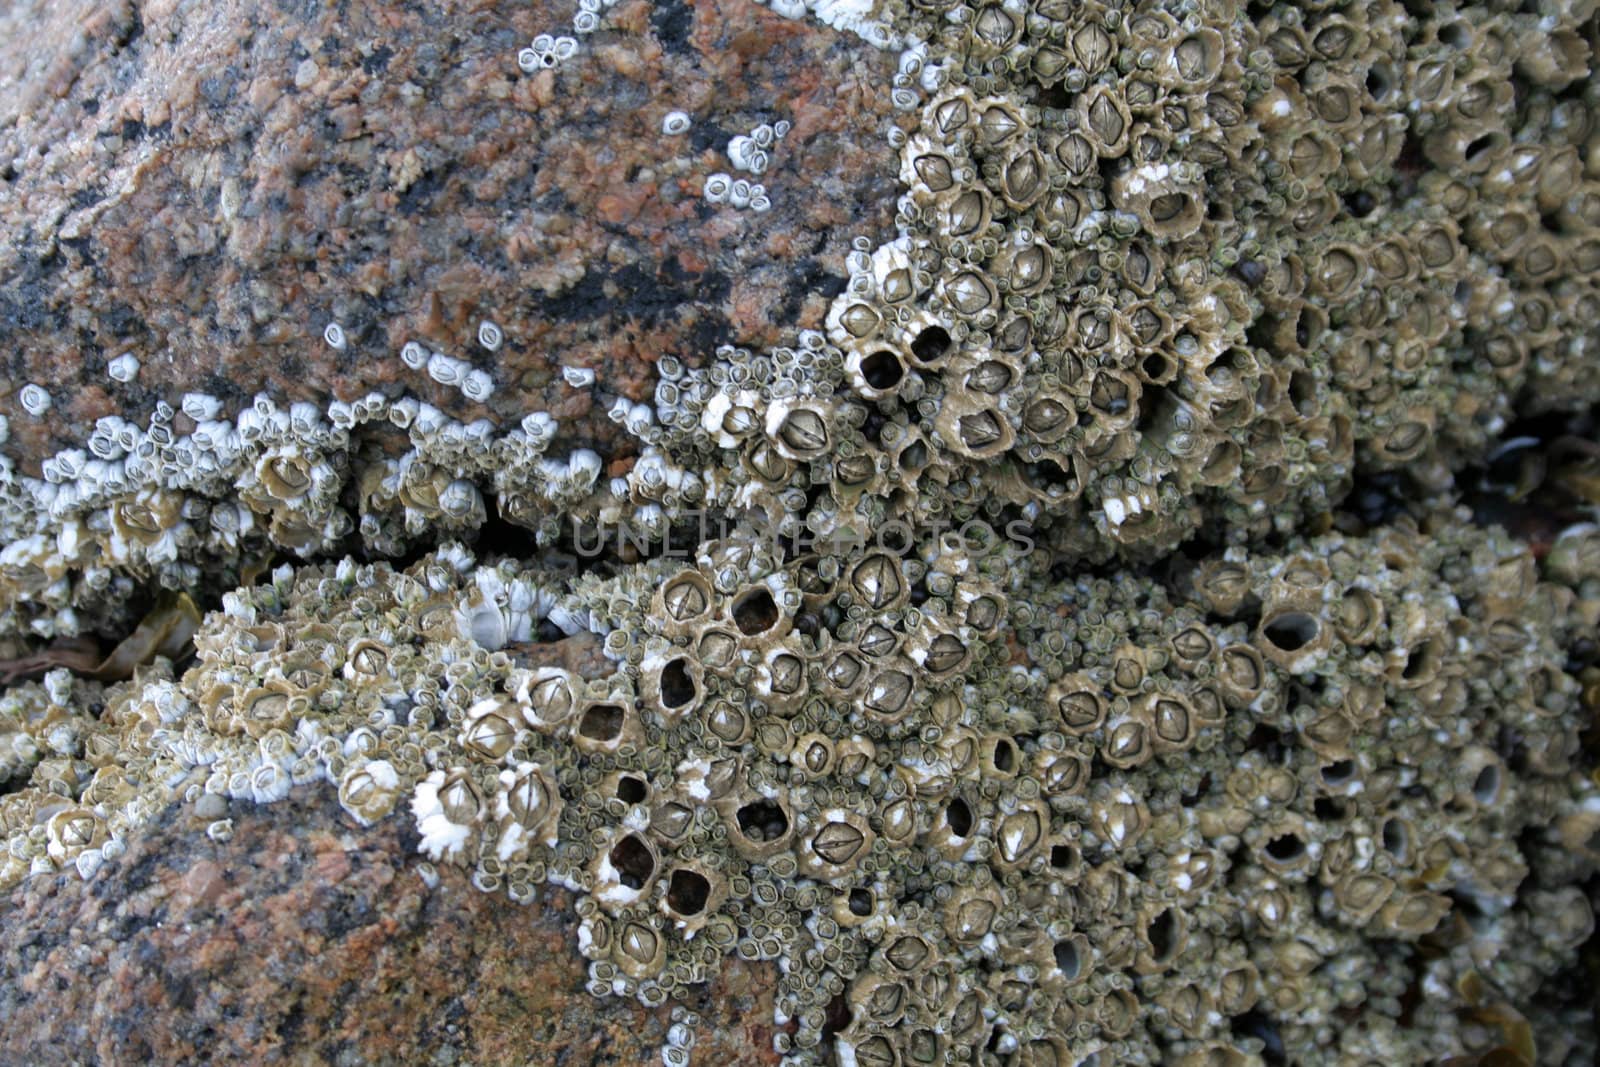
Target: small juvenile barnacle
675, 122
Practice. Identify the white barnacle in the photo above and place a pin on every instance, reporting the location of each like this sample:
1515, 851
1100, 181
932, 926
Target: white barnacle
528, 61
577, 377
761, 204
35, 401
124, 368
584, 466
585, 22
763, 135
490, 335
477, 385
333, 333
781, 128
565, 47
544, 44
740, 150
739, 193
414, 355
716, 188
445, 370
675, 122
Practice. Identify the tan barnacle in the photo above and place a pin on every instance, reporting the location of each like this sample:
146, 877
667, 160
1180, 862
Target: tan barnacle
813, 754
877, 583
369, 790
624, 870
73, 831
274, 706
835, 844
956, 825
799, 431
972, 295
1020, 834
888, 695
718, 650
1359, 895
972, 912
1408, 916
491, 729
548, 699
937, 650
682, 601
1359, 617
759, 826
448, 808
1078, 702
973, 427
147, 523
639, 948
1119, 816
1172, 721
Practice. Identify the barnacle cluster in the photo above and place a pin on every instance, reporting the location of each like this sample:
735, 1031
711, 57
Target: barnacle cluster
1121, 749
1274, 791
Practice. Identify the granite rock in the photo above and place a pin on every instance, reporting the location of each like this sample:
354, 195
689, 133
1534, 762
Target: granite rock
307, 940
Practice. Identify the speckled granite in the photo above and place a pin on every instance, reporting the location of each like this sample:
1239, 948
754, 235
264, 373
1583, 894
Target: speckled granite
306, 940
208, 185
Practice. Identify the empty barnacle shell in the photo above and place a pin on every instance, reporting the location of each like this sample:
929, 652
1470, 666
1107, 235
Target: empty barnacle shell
756, 614
671, 685
694, 894
369, 790
877, 371
605, 725
624, 869
758, 826
1295, 639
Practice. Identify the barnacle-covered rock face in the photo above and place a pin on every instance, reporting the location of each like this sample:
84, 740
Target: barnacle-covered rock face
1037, 699
1168, 804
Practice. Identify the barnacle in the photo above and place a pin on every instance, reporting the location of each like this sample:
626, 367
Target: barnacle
1155, 271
